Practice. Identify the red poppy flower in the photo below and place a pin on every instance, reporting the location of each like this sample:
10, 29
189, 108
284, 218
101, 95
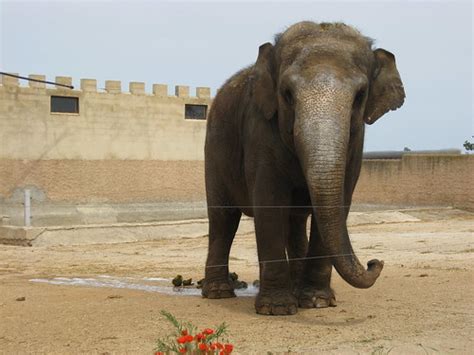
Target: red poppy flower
199, 336
189, 338
208, 331
182, 340
203, 347
182, 350
159, 353
228, 348
184, 332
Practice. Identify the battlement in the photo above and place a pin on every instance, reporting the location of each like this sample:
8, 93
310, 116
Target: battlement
110, 87
95, 121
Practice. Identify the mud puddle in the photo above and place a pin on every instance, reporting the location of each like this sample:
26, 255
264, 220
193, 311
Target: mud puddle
147, 284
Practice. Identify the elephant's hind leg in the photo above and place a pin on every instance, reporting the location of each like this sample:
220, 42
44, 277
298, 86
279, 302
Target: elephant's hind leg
223, 224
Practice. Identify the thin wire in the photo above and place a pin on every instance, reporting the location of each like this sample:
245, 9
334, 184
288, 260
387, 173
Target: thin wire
290, 206
286, 259
37, 80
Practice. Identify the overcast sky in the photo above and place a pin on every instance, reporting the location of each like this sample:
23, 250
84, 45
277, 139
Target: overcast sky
203, 43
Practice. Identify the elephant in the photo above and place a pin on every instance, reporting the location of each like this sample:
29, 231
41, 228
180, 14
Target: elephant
284, 142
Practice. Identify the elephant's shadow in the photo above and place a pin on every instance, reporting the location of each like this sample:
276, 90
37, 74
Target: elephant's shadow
330, 316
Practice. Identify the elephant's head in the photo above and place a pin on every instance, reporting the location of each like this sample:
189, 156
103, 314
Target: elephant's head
322, 82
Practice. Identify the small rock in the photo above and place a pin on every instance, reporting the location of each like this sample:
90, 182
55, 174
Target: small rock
233, 276
177, 281
238, 285
20, 299
188, 282
199, 283
256, 283
424, 275
114, 296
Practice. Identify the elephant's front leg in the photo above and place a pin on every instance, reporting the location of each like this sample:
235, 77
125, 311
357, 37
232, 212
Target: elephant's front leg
315, 290
297, 246
272, 228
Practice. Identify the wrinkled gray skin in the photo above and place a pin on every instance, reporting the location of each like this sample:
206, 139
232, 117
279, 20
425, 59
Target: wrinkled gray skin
284, 141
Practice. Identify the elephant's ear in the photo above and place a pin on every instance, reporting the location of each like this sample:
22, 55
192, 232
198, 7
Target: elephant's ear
386, 92
264, 90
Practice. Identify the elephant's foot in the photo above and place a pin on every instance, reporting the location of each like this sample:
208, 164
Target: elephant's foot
217, 289
310, 297
276, 302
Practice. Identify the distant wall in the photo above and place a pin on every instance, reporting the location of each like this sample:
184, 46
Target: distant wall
103, 181
423, 179
414, 180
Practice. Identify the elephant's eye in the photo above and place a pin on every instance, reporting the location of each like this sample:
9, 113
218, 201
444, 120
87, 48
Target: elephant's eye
359, 98
288, 96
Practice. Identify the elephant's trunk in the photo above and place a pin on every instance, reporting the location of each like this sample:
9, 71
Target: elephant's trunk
321, 136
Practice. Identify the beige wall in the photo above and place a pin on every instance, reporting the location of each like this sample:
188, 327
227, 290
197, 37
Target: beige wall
104, 181
444, 180
110, 125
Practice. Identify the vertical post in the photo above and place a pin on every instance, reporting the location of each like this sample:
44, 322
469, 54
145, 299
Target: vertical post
27, 205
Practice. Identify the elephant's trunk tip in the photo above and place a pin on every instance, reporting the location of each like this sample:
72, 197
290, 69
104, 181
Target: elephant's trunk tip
360, 277
375, 266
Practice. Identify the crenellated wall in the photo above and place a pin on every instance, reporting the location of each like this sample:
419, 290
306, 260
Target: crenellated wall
124, 146
111, 123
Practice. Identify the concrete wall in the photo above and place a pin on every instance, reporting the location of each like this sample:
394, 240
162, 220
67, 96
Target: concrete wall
102, 181
424, 179
444, 180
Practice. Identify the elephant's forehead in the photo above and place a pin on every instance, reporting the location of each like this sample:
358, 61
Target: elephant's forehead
306, 30
343, 52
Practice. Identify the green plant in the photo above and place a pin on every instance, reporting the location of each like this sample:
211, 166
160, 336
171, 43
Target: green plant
468, 146
186, 340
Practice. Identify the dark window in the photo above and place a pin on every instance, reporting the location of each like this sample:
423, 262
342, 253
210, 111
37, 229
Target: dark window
195, 112
64, 104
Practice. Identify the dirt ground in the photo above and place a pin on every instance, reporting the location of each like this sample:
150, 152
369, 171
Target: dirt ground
422, 303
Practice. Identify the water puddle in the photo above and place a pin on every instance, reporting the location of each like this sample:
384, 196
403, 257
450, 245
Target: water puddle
148, 284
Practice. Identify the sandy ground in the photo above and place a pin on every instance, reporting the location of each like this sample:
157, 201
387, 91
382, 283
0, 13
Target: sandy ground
422, 303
